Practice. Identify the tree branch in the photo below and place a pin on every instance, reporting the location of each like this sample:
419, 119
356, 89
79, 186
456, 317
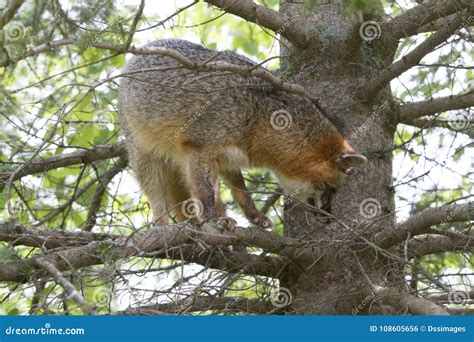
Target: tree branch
411, 59
108, 174
46, 239
85, 156
219, 66
430, 123
265, 17
250, 71
445, 297
414, 110
415, 305
104, 181
71, 291
244, 305
409, 23
157, 243
421, 222
217, 258
438, 24
461, 312
10, 12
430, 244
133, 26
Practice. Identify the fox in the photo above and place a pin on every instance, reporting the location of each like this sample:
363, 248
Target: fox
186, 131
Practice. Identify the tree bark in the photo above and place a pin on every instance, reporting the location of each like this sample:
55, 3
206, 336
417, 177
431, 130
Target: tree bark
333, 284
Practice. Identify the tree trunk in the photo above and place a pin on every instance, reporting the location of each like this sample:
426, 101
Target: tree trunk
334, 72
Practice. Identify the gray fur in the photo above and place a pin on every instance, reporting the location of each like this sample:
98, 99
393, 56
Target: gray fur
214, 111
235, 102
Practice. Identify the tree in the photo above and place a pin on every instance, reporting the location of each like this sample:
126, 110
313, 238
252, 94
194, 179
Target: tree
77, 237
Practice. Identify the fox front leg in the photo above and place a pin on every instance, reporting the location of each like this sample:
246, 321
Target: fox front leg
235, 181
201, 178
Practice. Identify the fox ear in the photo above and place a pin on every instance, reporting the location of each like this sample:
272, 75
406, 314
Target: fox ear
348, 160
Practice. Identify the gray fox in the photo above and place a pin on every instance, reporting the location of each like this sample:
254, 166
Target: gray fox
185, 130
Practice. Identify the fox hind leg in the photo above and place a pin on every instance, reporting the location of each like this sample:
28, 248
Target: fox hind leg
156, 177
201, 176
181, 202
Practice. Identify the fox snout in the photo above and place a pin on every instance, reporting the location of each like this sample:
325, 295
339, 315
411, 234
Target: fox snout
321, 174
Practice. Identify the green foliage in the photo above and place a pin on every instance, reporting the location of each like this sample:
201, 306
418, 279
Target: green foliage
7, 252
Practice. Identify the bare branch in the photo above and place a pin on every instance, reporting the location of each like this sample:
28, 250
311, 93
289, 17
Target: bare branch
445, 297
104, 181
217, 258
158, 243
265, 17
133, 26
411, 59
461, 312
219, 66
439, 24
46, 239
108, 174
271, 200
71, 291
171, 16
412, 20
85, 156
230, 304
429, 244
421, 222
414, 110
50, 45
252, 71
423, 123
415, 305
13, 7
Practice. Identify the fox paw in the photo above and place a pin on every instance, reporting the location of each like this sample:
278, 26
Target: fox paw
262, 221
226, 222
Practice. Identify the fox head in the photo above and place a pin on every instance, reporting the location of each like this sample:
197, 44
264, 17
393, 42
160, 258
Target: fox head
308, 157
301, 145
314, 168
